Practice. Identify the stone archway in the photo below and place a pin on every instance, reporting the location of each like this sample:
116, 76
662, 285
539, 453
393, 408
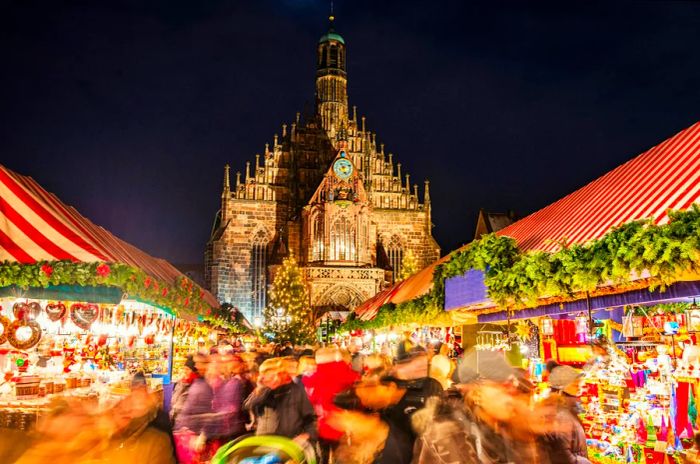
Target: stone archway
341, 296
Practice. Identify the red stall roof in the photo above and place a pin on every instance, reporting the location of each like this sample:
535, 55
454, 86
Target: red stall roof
415, 286
665, 177
36, 226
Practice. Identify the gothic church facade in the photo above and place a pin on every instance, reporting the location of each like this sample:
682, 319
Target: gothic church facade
327, 192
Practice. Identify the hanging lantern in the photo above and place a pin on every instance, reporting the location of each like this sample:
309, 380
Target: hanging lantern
692, 317
547, 328
581, 322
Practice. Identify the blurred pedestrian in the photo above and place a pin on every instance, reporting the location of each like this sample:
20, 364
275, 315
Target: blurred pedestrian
196, 414
182, 387
565, 443
333, 375
280, 406
411, 376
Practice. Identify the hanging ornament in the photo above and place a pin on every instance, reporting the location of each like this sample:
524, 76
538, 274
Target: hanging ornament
5, 326
83, 315
24, 334
581, 323
55, 311
547, 326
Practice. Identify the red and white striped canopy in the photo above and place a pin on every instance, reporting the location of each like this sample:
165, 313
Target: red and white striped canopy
36, 226
662, 178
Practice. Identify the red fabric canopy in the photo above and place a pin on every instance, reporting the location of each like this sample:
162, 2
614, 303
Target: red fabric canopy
36, 226
662, 178
415, 286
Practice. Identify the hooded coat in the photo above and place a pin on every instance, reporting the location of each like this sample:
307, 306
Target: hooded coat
566, 443
322, 386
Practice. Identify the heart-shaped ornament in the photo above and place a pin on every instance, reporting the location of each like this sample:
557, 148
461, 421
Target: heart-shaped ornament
20, 310
83, 315
5, 327
34, 309
55, 311
24, 335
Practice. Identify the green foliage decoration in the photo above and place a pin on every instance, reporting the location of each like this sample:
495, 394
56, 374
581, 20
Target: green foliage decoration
182, 297
420, 311
516, 280
226, 317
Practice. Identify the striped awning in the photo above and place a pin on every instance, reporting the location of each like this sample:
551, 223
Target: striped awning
36, 226
665, 177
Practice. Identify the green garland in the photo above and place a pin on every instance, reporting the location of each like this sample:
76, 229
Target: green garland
517, 280
663, 308
421, 311
226, 317
665, 252
185, 296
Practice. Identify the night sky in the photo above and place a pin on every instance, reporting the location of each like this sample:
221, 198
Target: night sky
129, 110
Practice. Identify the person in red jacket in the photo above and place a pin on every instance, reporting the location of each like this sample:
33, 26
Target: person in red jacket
333, 375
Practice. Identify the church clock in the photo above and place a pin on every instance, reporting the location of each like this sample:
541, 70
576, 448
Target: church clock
343, 168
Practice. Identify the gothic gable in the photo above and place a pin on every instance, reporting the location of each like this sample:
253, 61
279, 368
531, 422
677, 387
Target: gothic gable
341, 184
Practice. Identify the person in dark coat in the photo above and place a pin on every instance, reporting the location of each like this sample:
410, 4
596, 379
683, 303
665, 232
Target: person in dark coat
197, 413
566, 441
181, 389
410, 375
281, 406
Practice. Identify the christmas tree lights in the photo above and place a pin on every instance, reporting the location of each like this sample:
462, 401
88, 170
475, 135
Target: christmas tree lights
288, 316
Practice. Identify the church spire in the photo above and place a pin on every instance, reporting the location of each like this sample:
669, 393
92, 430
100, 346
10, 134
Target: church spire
331, 79
226, 192
227, 182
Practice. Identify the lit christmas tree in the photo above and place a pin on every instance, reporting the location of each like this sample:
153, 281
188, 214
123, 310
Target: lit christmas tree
409, 265
288, 316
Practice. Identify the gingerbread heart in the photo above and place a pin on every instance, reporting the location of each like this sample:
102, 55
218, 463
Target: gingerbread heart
34, 309
5, 326
20, 310
83, 315
55, 311
23, 334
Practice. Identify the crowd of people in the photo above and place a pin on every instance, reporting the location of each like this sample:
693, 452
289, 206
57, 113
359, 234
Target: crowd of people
417, 407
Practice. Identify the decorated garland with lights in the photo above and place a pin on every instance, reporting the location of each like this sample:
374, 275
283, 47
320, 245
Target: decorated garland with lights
185, 296
226, 317
517, 280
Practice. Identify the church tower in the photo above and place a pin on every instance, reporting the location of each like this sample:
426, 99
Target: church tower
331, 81
324, 190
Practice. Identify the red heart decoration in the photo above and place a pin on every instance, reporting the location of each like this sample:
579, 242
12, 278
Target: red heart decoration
55, 311
34, 310
20, 310
84, 315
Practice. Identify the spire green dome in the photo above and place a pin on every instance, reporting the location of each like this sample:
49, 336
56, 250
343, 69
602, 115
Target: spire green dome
331, 35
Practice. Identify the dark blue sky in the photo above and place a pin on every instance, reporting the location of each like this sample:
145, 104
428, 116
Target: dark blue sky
129, 110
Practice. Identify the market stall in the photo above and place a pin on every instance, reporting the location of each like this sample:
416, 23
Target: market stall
618, 258
80, 309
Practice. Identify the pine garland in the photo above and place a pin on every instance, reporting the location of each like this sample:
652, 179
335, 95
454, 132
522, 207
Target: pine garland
183, 297
226, 317
517, 280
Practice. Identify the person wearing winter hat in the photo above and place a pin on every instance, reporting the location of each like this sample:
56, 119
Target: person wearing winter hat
182, 387
565, 442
